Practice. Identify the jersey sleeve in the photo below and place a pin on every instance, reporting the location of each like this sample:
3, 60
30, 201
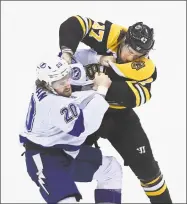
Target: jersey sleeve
73, 30
94, 34
76, 119
86, 56
128, 94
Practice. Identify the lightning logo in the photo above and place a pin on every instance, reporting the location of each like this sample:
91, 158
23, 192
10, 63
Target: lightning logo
38, 161
41, 181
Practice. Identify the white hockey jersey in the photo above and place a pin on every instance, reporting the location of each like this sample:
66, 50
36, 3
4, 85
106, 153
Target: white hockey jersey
78, 74
63, 122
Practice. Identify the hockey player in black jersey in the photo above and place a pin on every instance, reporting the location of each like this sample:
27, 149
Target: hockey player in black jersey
124, 53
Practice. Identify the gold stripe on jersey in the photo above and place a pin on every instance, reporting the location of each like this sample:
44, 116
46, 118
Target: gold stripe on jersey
83, 24
114, 33
135, 91
155, 187
117, 107
89, 23
128, 71
151, 182
146, 92
156, 193
147, 81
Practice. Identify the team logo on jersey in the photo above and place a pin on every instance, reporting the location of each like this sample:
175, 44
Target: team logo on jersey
137, 65
75, 73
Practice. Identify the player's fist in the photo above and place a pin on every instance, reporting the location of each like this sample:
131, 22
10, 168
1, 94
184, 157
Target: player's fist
102, 79
105, 59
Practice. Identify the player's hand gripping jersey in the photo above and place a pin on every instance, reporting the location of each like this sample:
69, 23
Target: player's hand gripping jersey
131, 81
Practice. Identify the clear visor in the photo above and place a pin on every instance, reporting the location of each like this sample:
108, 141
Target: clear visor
61, 82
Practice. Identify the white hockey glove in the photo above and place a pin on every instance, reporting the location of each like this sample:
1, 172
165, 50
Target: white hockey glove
67, 54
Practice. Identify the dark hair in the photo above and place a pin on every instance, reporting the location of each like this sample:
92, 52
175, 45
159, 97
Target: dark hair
120, 43
41, 84
121, 35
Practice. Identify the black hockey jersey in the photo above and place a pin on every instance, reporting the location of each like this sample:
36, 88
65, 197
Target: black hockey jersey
131, 82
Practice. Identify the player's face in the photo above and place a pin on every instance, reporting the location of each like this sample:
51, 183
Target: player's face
63, 86
128, 54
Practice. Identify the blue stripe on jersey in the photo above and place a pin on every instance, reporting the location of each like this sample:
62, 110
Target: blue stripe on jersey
66, 147
78, 127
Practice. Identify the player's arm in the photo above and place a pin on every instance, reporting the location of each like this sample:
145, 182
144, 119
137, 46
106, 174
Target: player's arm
72, 31
87, 56
137, 90
77, 121
128, 93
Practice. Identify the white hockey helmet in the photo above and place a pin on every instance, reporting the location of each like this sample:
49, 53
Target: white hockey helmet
50, 71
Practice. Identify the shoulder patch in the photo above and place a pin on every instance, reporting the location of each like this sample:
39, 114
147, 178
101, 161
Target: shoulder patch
137, 65
138, 70
75, 73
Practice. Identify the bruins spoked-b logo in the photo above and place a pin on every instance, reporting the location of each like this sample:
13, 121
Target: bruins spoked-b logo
137, 65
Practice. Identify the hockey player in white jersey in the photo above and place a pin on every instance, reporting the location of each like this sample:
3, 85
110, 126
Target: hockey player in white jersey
58, 122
